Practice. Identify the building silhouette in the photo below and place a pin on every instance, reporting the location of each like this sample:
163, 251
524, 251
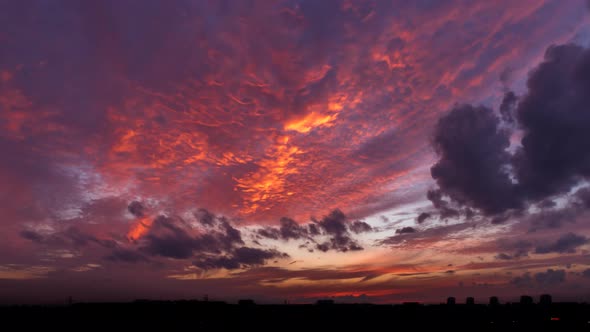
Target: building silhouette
526, 300
246, 302
545, 299
470, 301
494, 301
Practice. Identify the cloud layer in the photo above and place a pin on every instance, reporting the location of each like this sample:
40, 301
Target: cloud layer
288, 149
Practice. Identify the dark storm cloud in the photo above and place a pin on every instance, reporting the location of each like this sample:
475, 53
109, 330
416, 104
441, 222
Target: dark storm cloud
508, 105
436, 197
334, 226
422, 217
169, 240
239, 258
205, 217
472, 150
553, 219
586, 273
474, 167
567, 243
582, 197
360, 226
405, 230
555, 117
221, 246
136, 208
289, 229
171, 237
269, 233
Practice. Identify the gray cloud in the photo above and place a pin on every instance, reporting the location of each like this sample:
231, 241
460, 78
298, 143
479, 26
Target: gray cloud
239, 258
565, 244
136, 208
475, 169
550, 277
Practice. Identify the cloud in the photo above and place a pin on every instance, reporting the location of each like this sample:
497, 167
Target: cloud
335, 226
255, 109
522, 281
405, 230
269, 233
32, 236
436, 197
507, 107
291, 230
554, 117
427, 237
550, 277
473, 159
125, 256
239, 258
173, 238
475, 168
586, 273
422, 217
565, 244
504, 256
360, 226
167, 239
553, 219
137, 209
517, 249
70, 237
205, 217
332, 232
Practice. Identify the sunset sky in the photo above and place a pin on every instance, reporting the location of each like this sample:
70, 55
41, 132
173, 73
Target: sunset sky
370, 151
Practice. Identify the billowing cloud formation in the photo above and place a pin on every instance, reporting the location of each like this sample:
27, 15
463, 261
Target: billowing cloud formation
240, 257
119, 119
214, 244
335, 227
475, 168
473, 159
219, 246
555, 118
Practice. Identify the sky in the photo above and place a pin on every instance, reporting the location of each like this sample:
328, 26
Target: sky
365, 151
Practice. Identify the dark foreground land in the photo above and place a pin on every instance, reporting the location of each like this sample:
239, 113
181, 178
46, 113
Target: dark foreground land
218, 316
